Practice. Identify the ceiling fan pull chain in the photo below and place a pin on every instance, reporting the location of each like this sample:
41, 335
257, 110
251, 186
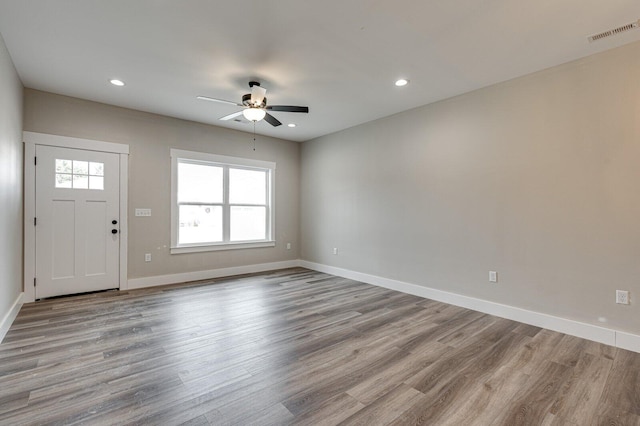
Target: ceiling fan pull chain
254, 135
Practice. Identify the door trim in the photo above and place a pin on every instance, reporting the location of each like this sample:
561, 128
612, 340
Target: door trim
31, 139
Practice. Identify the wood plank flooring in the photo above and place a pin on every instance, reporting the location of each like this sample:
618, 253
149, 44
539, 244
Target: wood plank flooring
300, 347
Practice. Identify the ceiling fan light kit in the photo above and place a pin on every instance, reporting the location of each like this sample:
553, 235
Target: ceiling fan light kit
255, 106
254, 114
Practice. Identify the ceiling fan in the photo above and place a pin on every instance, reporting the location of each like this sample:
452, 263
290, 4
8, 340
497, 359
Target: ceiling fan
255, 106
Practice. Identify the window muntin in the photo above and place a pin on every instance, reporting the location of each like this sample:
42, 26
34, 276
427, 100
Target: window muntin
220, 202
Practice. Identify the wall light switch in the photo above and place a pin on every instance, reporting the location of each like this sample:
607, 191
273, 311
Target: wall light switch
335, 250
493, 277
147, 257
143, 212
288, 246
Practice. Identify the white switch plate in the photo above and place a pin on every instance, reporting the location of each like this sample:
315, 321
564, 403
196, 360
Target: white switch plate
622, 297
147, 257
493, 277
288, 246
335, 250
143, 212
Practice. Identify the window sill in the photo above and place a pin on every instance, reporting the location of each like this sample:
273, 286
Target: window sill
219, 247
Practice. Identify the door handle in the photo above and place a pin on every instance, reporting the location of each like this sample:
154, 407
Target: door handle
114, 231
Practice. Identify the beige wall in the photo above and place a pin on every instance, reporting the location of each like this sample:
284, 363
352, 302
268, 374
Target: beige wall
10, 182
537, 178
150, 138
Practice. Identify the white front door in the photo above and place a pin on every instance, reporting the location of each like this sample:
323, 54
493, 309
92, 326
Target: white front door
77, 221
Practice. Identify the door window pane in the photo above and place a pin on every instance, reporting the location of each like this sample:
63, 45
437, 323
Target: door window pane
199, 224
198, 183
248, 223
80, 167
96, 169
63, 166
63, 180
80, 182
96, 182
247, 186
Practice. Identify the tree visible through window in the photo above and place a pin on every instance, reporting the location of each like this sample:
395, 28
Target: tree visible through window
220, 201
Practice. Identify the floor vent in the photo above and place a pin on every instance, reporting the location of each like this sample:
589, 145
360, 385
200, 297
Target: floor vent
614, 31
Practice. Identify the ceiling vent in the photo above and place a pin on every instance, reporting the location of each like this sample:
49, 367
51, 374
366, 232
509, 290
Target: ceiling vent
614, 31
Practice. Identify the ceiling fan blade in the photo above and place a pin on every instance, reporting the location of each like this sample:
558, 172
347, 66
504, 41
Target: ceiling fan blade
272, 120
257, 94
222, 101
288, 108
231, 116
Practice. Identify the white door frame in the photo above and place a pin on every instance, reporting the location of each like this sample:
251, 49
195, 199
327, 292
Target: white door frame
31, 139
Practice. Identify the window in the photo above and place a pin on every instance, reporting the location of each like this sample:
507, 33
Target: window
220, 202
79, 174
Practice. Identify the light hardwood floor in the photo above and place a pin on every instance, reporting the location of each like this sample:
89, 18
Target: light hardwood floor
300, 347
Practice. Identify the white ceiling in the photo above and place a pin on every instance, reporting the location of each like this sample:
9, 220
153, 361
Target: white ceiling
340, 58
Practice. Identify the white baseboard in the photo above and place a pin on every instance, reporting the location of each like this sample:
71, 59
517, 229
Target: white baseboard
10, 316
212, 273
575, 328
628, 341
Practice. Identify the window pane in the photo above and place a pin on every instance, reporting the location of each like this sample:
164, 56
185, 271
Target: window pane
63, 180
247, 186
96, 169
96, 182
80, 182
80, 167
63, 166
199, 183
199, 224
248, 223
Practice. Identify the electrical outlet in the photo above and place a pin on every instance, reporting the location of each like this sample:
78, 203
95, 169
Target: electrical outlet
493, 277
147, 257
622, 297
335, 250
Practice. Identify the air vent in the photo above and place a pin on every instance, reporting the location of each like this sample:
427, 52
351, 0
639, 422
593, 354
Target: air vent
614, 31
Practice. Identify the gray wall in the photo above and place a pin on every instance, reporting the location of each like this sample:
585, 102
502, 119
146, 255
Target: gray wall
150, 138
10, 182
537, 178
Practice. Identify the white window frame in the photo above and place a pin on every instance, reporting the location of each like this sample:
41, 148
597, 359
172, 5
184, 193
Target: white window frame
224, 161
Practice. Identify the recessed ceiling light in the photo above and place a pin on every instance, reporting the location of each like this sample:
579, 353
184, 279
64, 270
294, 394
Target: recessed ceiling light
291, 125
402, 82
116, 82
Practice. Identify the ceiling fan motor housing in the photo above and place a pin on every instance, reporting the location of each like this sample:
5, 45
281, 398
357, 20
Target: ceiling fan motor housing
246, 101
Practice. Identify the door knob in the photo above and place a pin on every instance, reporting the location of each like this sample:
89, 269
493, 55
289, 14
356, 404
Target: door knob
114, 231
114, 222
